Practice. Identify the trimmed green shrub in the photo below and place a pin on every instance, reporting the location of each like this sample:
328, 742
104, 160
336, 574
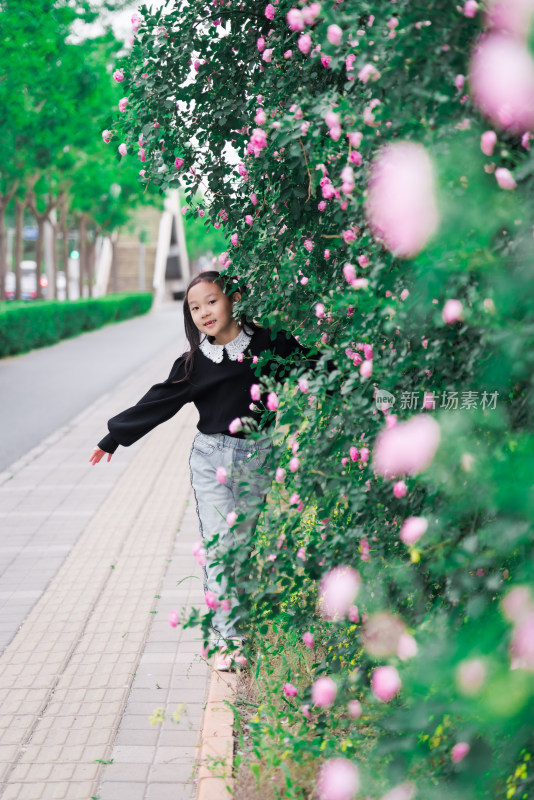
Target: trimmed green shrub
24, 326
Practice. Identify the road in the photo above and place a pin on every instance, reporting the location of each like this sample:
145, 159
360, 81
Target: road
42, 390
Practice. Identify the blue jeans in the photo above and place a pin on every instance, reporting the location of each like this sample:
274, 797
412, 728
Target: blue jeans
241, 459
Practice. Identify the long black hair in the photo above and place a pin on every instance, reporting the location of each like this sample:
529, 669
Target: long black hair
229, 286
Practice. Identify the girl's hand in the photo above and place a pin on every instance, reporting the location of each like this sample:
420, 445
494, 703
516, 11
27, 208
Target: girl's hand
98, 454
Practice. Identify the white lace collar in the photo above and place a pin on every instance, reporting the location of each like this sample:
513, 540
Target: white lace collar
215, 352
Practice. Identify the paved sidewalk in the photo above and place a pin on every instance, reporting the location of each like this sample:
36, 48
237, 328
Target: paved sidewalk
87, 555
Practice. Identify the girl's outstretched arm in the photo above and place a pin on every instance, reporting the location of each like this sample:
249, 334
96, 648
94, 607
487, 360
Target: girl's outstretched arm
98, 454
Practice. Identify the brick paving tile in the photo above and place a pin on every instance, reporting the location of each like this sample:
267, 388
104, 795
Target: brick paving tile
83, 653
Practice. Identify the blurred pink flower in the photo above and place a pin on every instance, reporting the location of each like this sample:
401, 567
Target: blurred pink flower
368, 72
522, 644
288, 53
349, 273
452, 311
118, 75
269, 11
123, 149
272, 401
355, 709
267, 56
401, 206
502, 82
353, 453
385, 683
324, 692
338, 591
404, 791
123, 103
354, 614
290, 690
510, 16
412, 529
211, 600
338, 779
308, 639
294, 464
173, 619
517, 603
303, 385
488, 140
199, 553
295, 20
235, 426
366, 368
226, 604
304, 43
179, 163
106, 136
306, 711
364, 455
471, 675
231, 518
459, 752
470, 8
255, 392
280, 475
406, 647
400, 489
408, 448
221, 475
334, 34
505, 178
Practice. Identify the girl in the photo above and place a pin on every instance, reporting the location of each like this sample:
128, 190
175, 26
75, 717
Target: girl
216, 374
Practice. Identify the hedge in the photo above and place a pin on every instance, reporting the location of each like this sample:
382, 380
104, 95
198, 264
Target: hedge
24, 326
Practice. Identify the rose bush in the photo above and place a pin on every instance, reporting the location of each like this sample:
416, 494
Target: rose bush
358, 171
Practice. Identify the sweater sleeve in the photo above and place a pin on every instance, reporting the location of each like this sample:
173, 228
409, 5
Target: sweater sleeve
159, 404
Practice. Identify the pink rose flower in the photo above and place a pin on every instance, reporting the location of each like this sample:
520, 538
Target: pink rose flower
288, 53
221, 475
459, 752
304, 43
211, 600
354, 614
123, 103
400, 489
385, 683
303, 385
502, 82
324, 692
267, 55
123, 149
452, 312
290, 690
470, 8
308, 639
173, 619
406, 647
408, 448
366, 368
412, 529
338, 591
505, 178
349, 273
280, 475
255, 392
355, 709
319, 310
272, 401
200, 553
294, 464
334, 34
233, 427
106, 136
226, 605
401, 205
118, 75
338, 779
269, 11
368, 72
295, 20
364, 455
231, 518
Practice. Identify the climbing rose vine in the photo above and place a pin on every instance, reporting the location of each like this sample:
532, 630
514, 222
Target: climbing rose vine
370, 163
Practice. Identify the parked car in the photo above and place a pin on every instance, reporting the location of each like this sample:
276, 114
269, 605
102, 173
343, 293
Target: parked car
28, 282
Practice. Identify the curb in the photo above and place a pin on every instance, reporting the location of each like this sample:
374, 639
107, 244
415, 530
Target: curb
214, 781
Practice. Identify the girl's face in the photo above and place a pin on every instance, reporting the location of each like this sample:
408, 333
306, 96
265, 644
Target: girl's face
211, 311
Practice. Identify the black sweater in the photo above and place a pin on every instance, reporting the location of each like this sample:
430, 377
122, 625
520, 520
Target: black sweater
221, 392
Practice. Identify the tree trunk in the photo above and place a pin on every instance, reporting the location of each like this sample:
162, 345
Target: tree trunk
91, 248
19, 220
63, 213
53, 292
114, 281
4, 202
82, 232
39, 254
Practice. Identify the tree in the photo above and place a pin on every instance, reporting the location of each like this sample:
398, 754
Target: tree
368, 216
